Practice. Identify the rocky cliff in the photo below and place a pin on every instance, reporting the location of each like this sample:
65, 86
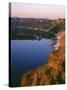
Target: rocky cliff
51, 73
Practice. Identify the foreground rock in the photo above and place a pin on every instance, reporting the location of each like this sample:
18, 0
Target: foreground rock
48, 74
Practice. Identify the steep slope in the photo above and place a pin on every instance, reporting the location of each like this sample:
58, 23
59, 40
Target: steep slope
51, 73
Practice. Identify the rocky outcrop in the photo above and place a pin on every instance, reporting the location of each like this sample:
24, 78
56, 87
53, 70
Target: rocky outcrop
48, 74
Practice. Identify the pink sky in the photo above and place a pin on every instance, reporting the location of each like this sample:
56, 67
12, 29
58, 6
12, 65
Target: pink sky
37, 11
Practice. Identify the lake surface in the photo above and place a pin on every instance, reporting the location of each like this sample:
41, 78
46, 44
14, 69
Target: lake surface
27, 55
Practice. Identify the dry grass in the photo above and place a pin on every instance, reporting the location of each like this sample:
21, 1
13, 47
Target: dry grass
51, 73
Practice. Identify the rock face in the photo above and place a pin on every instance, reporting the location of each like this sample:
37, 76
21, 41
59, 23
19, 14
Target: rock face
48, 74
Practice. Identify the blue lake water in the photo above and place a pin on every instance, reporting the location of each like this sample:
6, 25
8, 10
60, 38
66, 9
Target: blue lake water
27, 55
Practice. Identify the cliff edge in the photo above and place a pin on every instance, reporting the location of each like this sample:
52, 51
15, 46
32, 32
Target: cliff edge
51, 73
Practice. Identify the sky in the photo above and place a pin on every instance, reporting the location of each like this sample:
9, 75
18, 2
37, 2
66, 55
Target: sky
27, 10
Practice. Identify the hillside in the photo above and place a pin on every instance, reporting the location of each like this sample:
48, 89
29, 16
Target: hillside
28, 28
51, 73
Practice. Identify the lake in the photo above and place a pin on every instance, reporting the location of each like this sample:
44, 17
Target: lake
27, 55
